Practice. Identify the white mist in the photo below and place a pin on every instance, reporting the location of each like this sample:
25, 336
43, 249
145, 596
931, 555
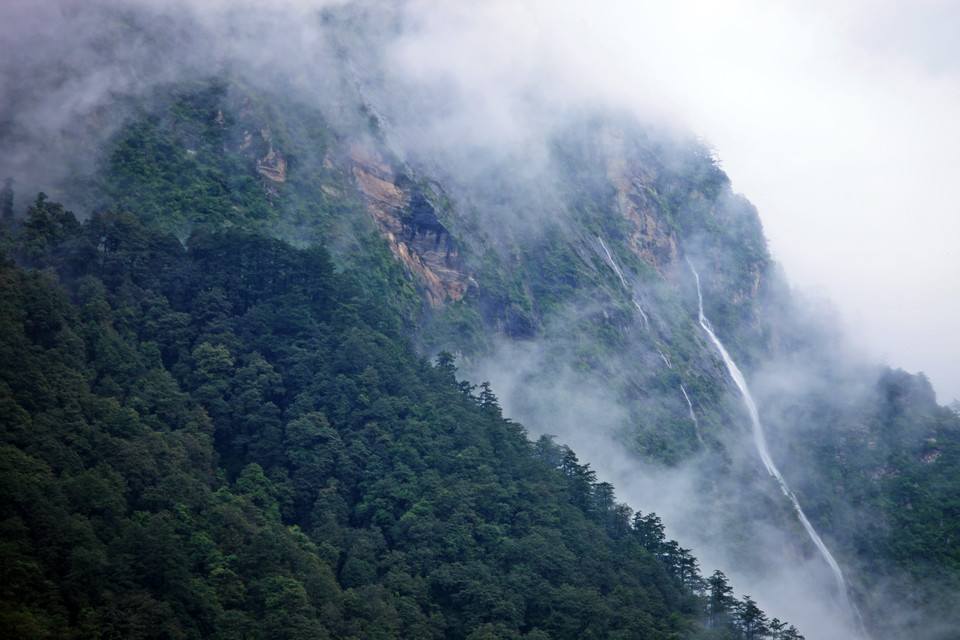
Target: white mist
760, 442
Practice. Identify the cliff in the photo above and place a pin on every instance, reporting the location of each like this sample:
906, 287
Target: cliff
409, 223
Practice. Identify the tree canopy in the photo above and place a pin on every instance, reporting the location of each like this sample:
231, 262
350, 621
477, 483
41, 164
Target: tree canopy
228, 439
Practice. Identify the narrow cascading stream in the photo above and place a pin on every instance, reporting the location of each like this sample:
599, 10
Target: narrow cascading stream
760, 442
616, 270
613, 263
693, 416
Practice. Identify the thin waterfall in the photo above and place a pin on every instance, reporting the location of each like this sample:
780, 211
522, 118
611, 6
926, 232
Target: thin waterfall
760, 442
613, 264
642, 314
693, 416
616, 270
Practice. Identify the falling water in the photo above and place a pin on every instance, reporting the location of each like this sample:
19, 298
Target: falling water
613, 264
642, 314
693, 416
616, 270
761, 444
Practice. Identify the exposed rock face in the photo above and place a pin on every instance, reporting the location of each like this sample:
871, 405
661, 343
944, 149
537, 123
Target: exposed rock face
751, 292
408, 221
652, 238
272, 166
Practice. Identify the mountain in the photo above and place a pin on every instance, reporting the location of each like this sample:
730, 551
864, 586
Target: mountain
236, 396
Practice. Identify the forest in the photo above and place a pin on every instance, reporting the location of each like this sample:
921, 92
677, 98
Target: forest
308, 340
230, 439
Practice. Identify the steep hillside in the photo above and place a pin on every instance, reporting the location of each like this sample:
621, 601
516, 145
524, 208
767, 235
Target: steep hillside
230, 439
600, 296
226, 360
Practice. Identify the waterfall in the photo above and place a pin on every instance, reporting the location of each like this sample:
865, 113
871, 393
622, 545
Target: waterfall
613, 264
616, 270
693, 416
642, 314
760, 441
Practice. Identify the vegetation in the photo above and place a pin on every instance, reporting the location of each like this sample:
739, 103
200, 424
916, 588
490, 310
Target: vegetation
203, 156
229, 439
882, 468
214, 425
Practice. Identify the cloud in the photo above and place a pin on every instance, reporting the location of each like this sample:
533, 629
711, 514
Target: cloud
713, 514
838, 120
72, 69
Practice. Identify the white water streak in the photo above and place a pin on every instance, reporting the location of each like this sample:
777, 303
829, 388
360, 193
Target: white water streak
760, 442
616, 270
693, 416
613, 264
642, 314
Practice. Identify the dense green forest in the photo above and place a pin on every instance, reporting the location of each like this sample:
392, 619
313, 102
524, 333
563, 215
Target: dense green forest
230, 439
183, 373
234, 393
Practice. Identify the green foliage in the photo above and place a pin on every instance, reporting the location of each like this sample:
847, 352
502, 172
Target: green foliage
553, 269
228, 439
879, 469
217, 155
179, 167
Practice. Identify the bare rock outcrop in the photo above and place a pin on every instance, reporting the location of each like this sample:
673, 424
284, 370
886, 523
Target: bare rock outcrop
272, 166
410, 225
652, 238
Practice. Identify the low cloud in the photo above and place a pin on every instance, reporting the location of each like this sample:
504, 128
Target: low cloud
843, 137
703, 512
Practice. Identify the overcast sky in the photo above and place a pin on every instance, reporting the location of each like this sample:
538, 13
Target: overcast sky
839, 119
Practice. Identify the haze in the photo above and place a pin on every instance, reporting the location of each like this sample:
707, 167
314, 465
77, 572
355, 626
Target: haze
837, 119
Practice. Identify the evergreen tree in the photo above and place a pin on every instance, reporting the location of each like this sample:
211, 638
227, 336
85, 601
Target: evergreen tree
6, 201
720, 600
751, 621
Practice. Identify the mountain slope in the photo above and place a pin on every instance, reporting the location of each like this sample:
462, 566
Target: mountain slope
217, 440
547, 249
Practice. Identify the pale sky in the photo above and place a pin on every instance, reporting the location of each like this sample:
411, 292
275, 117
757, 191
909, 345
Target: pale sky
840, 120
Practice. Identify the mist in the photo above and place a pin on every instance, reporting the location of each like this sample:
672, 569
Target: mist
843, 137
734, 522
74, 72
836, 119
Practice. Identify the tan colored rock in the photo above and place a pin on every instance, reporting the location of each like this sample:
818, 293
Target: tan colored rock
652, 238
430, 254
247, 141
272, 166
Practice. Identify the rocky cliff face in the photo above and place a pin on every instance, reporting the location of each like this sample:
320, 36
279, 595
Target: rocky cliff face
651, 237
408, 221
273, 166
